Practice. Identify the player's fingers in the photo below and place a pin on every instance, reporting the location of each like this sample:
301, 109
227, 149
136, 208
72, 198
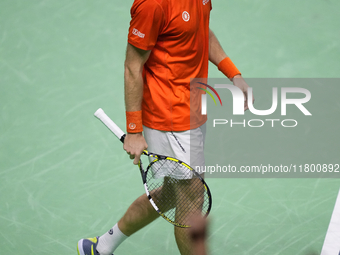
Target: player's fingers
246, 106
246, 101
136, 160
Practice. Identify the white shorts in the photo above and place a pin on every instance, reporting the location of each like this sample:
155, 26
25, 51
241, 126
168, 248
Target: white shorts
187, 146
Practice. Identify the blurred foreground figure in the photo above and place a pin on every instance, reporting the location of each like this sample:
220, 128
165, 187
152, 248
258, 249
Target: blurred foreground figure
198, 235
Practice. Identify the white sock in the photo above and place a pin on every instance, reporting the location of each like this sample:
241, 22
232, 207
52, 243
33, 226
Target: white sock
110, 241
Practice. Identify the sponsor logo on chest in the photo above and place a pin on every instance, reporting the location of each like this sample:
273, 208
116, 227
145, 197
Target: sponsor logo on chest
185, 16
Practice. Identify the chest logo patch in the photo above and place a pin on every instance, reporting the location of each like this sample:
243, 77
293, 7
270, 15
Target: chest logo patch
185, 16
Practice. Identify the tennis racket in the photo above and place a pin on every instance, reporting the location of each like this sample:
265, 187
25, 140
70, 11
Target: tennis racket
175, 190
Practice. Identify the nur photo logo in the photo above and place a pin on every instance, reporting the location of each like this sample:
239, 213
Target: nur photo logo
294, 97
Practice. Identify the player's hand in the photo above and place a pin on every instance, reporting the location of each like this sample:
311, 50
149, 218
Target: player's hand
134, 144
241, 84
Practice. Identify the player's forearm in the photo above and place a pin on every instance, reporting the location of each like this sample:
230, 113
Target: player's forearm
220, 58
216, 52
133, 77
133, 89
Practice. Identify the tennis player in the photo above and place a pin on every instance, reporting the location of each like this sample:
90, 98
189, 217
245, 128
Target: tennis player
169, 42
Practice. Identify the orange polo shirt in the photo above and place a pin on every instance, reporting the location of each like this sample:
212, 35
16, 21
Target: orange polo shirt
177, 33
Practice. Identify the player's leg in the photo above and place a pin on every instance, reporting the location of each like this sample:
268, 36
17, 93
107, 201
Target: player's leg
187, 199
194, 146
187, 146
138, 215
183, 241
141, 212
182, 234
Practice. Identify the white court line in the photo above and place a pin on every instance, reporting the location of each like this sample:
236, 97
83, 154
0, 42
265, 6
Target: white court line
331, 246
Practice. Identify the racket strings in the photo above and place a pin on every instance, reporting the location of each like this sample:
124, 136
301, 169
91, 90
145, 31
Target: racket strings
176, 191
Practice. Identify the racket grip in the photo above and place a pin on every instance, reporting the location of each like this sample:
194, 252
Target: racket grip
101, 115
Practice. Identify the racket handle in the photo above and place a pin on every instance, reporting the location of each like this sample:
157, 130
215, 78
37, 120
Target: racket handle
101, 115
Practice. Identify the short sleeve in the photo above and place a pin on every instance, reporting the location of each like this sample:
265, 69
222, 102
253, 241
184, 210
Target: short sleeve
147, 19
